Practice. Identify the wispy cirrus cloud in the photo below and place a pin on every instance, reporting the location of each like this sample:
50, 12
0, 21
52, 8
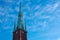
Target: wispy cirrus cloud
7, 14
58, 39
46, 14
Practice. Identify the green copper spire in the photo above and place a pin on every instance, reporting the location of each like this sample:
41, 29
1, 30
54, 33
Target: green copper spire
20, 21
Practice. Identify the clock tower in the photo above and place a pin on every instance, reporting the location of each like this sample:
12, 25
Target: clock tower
20, 32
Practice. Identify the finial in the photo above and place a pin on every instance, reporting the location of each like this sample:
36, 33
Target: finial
20, 5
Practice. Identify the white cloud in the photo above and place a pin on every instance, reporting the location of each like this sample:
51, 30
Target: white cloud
7, 17
37, 7
51, 8
33, 28
41, 26
1, 21
2, 13
46, 17
17, 9
10, 1
38, 15
58, 39
56, 5
1, 8
10, 9
7, 27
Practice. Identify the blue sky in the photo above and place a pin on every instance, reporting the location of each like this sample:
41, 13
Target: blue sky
42, 18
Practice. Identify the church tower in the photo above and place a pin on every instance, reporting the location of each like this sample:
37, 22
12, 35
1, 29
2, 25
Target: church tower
20, 32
